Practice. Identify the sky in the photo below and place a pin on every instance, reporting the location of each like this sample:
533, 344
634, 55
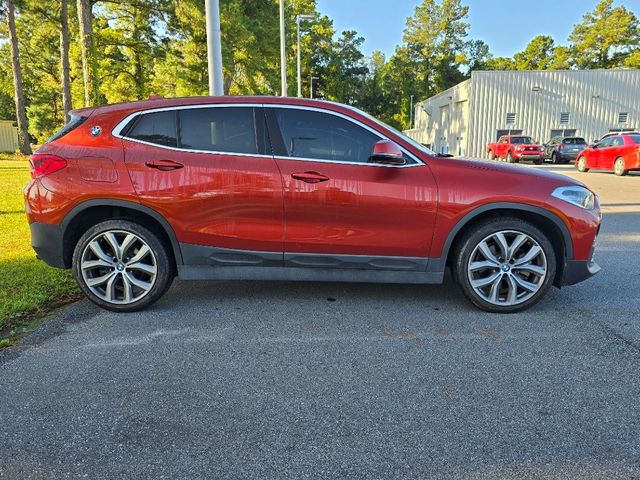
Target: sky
506, 25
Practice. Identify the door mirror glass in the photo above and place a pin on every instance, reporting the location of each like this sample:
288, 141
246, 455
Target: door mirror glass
387, 152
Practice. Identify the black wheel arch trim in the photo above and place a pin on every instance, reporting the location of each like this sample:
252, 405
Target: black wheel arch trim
108, 202
566, 235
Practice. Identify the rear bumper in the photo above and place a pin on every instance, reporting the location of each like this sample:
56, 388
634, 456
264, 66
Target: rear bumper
568, 157
576, 271
46, 240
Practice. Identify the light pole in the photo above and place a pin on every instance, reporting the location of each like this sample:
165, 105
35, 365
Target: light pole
283, 53
298, 19
214, 47
311, 86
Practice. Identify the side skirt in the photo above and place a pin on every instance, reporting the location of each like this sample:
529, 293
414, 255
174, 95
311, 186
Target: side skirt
206, 272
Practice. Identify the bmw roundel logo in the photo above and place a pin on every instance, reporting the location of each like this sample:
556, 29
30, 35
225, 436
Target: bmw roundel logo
95, 131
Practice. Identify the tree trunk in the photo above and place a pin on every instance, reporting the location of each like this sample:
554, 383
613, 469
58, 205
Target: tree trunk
21, 116
86, 46
64, 59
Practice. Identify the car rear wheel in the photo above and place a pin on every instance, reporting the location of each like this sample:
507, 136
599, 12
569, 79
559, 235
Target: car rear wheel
505, 265
619, 167
492, 156
122, 266
582, 165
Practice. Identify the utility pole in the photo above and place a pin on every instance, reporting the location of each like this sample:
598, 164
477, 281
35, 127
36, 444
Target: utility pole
283, 53
214, 47
411, 113
298, 19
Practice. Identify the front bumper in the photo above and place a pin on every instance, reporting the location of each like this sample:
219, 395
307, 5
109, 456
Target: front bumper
47, 241
576, 271
530, 156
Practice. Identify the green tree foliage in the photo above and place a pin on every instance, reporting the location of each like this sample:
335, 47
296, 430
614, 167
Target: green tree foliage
606, 37
158, 47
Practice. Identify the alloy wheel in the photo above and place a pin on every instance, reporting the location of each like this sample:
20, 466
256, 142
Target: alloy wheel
118, 267
507, 268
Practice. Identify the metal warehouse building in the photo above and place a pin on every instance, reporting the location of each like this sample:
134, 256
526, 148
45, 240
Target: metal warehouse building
541, 104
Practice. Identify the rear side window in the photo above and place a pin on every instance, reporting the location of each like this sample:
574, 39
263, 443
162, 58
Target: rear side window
157, 127
74, 122
228, 129
322, 136
635, 139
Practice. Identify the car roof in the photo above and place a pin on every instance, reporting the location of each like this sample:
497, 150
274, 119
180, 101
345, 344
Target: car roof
156, 102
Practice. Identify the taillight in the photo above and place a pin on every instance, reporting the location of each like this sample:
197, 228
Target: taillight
561, 146
43, 164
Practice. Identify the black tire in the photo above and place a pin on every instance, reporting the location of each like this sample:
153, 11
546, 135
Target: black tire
157, 284
619, 167
510, 158
581, 165
467, 245
492, 156
554, 158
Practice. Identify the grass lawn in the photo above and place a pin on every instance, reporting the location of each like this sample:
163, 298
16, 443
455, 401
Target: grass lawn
28, 287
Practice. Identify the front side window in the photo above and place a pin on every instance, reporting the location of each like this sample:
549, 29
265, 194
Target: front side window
606, 142
156, 127
228, 129
322, 136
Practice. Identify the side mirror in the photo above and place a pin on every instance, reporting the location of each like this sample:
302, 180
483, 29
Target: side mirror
387, 152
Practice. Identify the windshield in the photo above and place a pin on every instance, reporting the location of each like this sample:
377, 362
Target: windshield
409, 140
574, 141
521, 140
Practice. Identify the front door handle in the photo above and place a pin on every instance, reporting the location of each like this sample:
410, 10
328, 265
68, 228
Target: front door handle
310, 177
164, 165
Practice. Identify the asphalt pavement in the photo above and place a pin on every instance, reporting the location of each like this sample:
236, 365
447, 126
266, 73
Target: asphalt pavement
263, 380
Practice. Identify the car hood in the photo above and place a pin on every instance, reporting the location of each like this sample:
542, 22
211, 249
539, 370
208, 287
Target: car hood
511, 169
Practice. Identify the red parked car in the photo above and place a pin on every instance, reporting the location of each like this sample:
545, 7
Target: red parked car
514, 148
620, 153
257, 188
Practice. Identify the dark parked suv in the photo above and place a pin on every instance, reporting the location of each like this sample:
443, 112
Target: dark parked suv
564, 149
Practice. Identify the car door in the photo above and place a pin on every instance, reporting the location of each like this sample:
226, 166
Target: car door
208, 171
600, 152
614, 151
341, 211
501, 147
551, 146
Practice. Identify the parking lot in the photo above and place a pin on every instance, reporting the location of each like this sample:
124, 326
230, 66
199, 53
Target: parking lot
283, 380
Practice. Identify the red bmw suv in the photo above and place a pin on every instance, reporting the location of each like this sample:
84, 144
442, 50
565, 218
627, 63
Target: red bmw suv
258, 188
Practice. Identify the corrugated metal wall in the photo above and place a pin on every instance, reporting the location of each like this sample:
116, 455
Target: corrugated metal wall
593, 98
8, 136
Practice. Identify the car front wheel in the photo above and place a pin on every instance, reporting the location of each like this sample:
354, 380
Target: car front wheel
505, 265
122, 266
582, 165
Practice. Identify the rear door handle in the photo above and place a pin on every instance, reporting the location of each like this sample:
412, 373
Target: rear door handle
164, 165
310, 177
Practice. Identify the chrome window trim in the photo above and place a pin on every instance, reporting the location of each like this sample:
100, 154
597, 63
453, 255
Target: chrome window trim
116, 132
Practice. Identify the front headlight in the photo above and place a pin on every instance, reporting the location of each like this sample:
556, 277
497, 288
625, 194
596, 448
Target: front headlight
577, 195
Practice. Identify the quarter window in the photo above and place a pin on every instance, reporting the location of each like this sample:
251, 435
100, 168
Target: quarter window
228, 129
158, 127
322, 136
